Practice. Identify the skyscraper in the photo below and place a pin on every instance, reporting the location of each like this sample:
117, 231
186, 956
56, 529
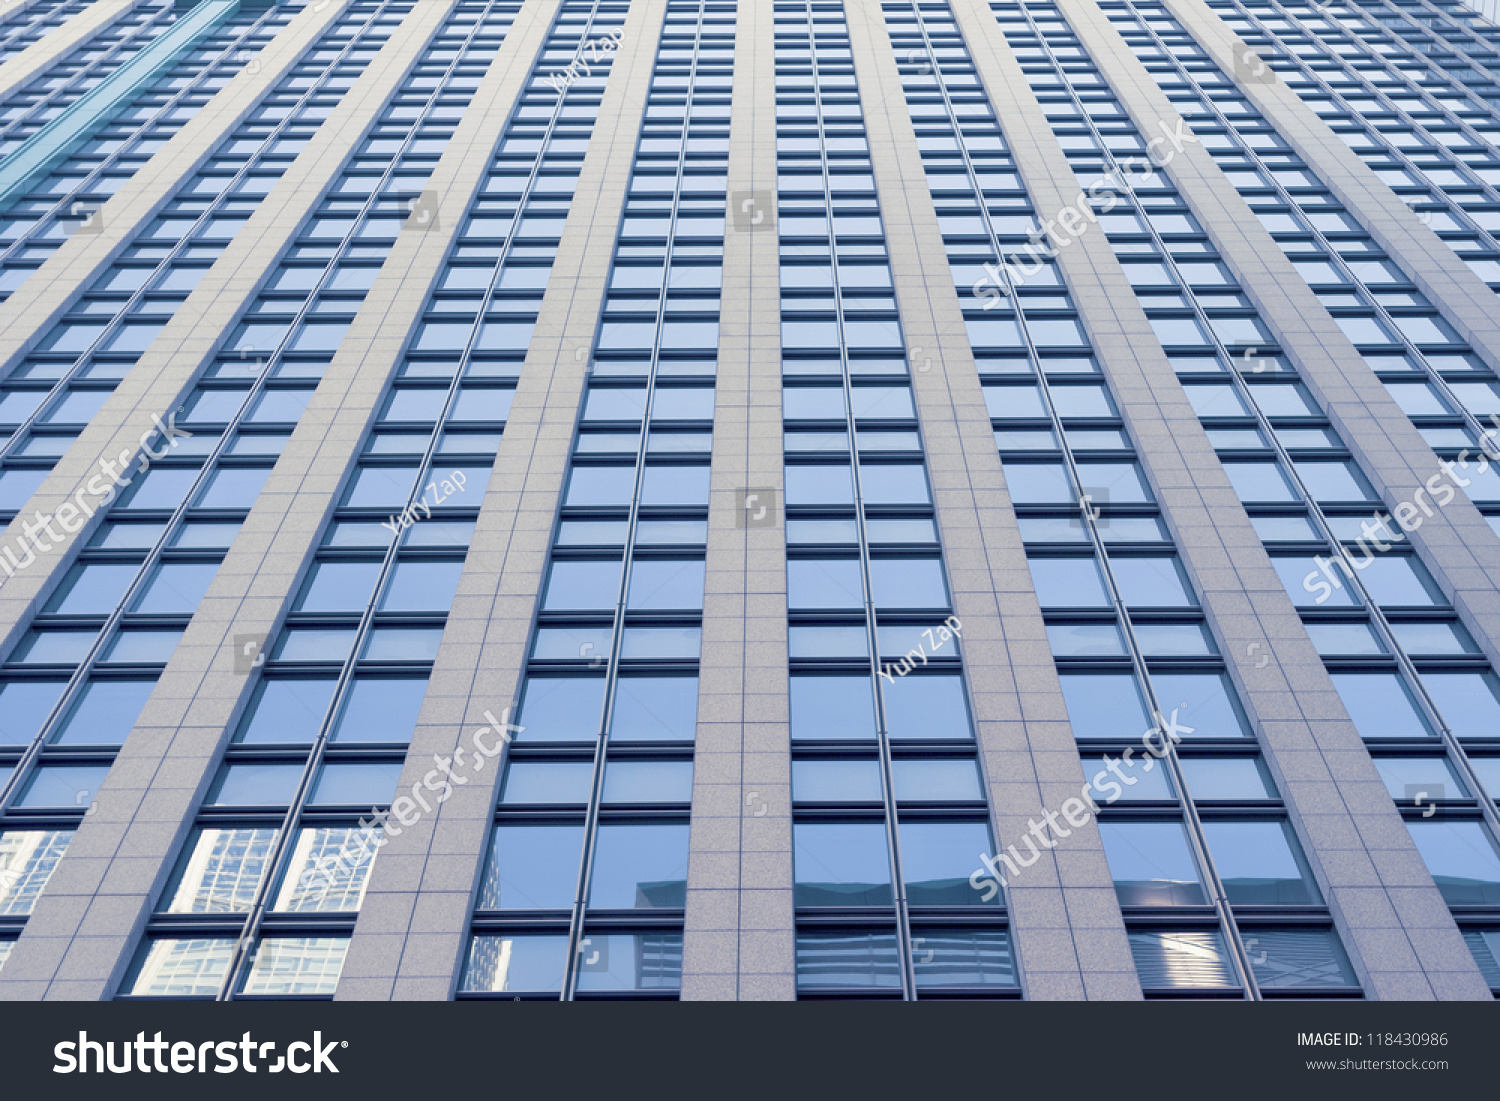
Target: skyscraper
660, 499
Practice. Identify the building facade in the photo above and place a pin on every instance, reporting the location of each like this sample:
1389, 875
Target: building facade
791, 499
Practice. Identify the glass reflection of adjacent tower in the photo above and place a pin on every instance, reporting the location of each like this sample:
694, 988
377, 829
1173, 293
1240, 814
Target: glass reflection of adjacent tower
27, 859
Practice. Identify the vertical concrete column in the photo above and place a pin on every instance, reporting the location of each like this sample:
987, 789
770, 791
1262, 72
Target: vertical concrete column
1389, 915
1069, 938
739, 942
79, 938
57, 43
1457, 543
413, 931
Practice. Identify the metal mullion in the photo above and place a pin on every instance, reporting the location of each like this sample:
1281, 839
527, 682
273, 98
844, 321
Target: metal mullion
1197, 840
617, 632
185, 242
882, 734
175, 101
1333, 256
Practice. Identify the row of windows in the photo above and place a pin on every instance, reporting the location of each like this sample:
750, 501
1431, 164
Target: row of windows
886, 786
610, 702
372, 709
1119, 673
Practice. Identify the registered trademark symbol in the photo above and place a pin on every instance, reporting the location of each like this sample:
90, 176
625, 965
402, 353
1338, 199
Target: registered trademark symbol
343, 1043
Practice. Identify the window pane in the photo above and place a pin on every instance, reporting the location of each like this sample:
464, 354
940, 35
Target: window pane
836, 781
381, 709
532, 868
860, 960
1068, 583
582, 586
1431, 778
937, 859
1260, 863
27, 860
297, 965
422, 587
1152, 582
1203, 701
286, 711
234, 487
1300, 958
403, 643
1485, 946
24, 706
254, 784
1467, 702
1396, 580
908, 583
339, 587
220, 871
666, 585
1140, 777
930, 707
1381, 705
832, 708
65, 787
648, 782
561, 709
841, 864
328, 870
623, 961
1151, 864
655, 709
933, 781
177, 588
180, 967
1227, 778
1104, 705
160, 488
680, 486
962, 957
824, 583
143, 646
1181, 959
1462, 860
92, 589
366, 784
516, 963
105, 712
640, 867
547, 782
